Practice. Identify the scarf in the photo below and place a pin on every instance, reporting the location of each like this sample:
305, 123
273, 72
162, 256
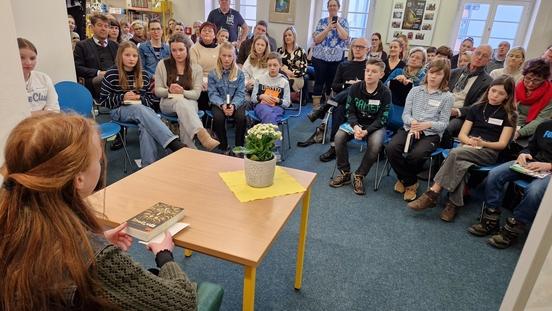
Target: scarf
465, 76
537, 100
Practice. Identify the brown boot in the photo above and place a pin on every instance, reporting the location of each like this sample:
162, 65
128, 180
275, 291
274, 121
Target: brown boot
427, 200
449, 212
206, 140
399, 187
316, 102
410, 192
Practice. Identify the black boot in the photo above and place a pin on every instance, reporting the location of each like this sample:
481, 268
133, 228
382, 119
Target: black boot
328, 155
508, 234
117, 143
319, 113
176, 144
488, 224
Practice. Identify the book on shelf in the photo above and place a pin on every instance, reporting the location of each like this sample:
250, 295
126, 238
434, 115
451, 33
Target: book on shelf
520, 169
154, 221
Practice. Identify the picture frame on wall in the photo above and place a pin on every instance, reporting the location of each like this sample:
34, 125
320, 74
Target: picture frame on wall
282, 11
414, 18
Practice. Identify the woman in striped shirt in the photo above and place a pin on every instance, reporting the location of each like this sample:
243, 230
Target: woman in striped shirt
126, 91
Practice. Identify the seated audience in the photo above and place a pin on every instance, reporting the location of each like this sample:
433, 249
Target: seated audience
394, 60
222, 36
443, 52
294, 60
499, 56
271, 92
178, 29
226, 17
512, 64
139, 32
466, 45
425, 118
431, 51
260, 30
74, 35
487, 130
126, 91
533, 98
205, 53
125, 30
171, 26
153, 50
55, 252
41, 93
255, 65
227, 96
405, 47
178, 84
114, 31
367, 107
195, 31
467, 85
464, 59
376, 47
95, 55
536, 157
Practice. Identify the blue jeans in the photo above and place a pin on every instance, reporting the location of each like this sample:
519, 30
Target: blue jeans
152, 130
494, 191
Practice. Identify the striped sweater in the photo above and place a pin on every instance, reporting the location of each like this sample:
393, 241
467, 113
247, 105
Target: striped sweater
111, 94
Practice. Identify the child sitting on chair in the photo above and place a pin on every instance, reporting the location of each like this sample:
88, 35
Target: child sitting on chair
271, 92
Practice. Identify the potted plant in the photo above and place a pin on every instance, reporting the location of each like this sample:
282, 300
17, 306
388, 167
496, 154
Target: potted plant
259, 160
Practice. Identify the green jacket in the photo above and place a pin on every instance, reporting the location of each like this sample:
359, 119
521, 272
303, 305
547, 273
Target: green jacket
528, 129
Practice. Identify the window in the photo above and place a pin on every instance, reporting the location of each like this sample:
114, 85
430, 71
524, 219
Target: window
247, 9
355, 11
492, 22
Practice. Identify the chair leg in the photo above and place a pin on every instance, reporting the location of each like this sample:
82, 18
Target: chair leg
326, 121
288, 135
429, 174
126, 154
382, 171
300, 99
377, 170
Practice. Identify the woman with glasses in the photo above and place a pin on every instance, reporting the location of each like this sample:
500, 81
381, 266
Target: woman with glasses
534, 98
376, 47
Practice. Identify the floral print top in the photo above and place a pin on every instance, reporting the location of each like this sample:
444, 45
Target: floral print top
332, 47
295, 61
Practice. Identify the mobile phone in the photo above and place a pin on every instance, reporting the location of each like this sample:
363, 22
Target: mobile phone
334, 19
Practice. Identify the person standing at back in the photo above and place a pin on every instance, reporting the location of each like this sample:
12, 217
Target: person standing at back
226, 17
95, 55
153, 50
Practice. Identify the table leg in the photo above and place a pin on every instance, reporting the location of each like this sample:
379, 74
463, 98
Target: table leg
187, 252
249, 288
302, 239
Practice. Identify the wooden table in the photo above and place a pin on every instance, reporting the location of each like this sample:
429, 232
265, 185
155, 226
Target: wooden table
220, 225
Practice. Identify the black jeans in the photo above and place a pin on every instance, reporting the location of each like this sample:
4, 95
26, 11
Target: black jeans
324, 75
407, 167
375, 141
339, 113
453, 129
219, 125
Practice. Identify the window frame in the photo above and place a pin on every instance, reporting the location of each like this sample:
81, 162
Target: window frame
523, 25
320, 5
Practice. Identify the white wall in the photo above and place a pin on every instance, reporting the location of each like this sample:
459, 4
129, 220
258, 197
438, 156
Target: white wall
44, 23
13, 99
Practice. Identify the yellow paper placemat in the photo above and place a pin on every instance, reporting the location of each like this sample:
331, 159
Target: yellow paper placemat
283, 184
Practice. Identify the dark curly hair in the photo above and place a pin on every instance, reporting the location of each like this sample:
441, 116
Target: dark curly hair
538, 67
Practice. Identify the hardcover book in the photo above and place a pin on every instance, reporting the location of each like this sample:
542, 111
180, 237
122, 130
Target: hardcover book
520, 169
153, 221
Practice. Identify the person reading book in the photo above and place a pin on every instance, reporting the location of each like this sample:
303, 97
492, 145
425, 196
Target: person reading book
488, 129
536, 157
126, 91
426, 115
55, 253
367, 107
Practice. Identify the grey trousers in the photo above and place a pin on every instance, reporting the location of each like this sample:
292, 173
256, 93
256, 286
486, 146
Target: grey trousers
188, 120
452, 174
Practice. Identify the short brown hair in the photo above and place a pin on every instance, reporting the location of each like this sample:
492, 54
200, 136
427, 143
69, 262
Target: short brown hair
26, 44
538, 67
438, 65
152, 21
376, 62
98, 17
445, 51
274, 55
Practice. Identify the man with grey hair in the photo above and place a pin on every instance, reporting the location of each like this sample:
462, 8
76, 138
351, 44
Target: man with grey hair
499, 56
467, 85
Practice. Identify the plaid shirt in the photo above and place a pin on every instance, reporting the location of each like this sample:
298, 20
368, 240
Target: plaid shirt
422, 106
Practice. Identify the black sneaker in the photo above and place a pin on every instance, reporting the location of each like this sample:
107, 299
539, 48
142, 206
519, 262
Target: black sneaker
343, 179
358, 184
328, 155
116, 144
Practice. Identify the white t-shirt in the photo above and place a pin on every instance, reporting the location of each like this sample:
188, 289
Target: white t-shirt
41, 93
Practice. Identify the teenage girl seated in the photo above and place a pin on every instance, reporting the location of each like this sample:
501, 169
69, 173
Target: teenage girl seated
255, 65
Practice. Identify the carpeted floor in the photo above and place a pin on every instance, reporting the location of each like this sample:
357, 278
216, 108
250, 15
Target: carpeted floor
363, 252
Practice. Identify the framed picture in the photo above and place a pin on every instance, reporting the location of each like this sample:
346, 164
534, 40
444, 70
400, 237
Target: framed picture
282, 11
414, 18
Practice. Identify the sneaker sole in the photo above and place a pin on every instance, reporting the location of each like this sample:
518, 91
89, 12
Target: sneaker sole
477, 233
340, 185
359, 193
326, 159
410, 199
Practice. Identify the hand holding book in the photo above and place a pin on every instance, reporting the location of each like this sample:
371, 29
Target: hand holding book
118, 236
166, 244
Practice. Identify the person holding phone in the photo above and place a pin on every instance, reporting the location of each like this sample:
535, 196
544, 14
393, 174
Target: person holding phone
331, 37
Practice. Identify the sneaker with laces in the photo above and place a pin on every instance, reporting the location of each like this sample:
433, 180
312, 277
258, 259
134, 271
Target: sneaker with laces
358, 184
340, 180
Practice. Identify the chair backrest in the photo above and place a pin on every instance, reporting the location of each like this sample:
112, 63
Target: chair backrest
394, 119
74, 97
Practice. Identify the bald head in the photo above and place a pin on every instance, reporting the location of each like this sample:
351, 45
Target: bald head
481, 56
360, 49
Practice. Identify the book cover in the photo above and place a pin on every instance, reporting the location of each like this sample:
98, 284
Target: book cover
520, 169
154, 221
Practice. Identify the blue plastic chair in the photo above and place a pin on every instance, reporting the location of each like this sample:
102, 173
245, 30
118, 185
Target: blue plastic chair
522, 184
174, 118
283, 123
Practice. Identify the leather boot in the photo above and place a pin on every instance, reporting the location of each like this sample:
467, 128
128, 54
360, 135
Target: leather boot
508, 234
488, 224
449, 212
206, 140
316, 102
427, 200
318, 113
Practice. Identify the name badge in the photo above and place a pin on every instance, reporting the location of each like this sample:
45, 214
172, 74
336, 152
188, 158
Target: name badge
495, 121
434, 103
374, 102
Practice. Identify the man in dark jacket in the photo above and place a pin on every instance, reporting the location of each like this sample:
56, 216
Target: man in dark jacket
95, 55
467, 85
260, 29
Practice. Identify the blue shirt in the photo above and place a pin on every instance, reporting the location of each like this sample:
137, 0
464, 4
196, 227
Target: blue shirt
150, 57
332, 47
423, 106
230, 21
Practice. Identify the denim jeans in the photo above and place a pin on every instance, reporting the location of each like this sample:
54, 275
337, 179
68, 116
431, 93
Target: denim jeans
152, 129
375, 142
494, 191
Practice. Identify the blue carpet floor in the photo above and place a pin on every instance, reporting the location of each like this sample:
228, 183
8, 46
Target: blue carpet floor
363, 252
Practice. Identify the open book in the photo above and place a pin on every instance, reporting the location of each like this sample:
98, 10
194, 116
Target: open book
520, 169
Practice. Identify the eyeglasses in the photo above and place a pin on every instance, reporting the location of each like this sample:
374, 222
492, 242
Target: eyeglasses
360, 47
534, 81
